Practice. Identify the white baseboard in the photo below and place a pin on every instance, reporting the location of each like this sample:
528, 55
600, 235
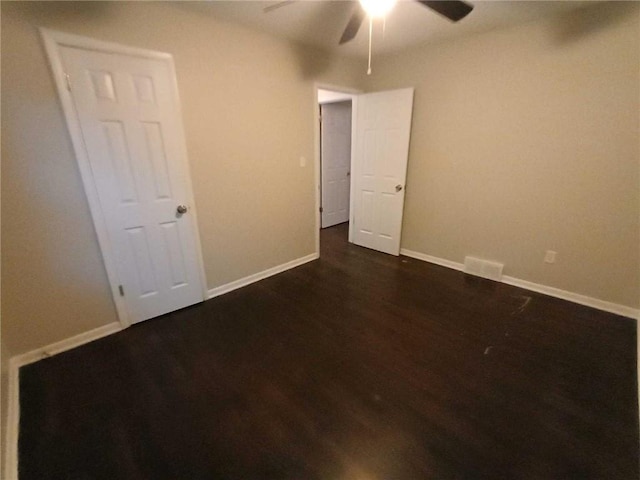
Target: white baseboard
66, 344
13, 393
435, 260
221, 290
603, 305
12, 426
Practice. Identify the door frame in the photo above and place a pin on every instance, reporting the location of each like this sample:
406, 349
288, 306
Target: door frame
318, 166
53, 41
347, 98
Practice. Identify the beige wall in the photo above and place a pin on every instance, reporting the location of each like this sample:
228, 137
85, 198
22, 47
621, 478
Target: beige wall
248, 112
526, 140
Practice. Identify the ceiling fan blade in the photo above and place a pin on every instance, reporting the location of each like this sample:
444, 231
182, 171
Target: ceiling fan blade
354, 24
453, 10
276, 6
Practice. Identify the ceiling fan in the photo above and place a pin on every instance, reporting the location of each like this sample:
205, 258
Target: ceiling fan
454, 10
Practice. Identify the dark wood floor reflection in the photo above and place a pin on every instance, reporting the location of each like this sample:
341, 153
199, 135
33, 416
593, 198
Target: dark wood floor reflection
357, 366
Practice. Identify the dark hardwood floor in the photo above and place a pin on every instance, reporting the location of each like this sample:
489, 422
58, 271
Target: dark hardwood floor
357, 366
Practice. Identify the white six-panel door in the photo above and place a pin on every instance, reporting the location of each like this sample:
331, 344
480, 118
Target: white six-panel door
336, 162
130, 124
382, 146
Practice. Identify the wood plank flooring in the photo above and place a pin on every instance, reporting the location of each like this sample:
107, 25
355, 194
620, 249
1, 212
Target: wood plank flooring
357, 366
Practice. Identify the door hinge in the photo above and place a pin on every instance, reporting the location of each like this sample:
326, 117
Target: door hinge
121, 290
68, 80
321, 209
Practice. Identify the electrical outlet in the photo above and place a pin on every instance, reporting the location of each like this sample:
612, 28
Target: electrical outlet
550, 256
303, 162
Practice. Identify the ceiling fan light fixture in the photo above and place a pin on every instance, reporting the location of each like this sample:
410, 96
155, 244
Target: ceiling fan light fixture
377, 8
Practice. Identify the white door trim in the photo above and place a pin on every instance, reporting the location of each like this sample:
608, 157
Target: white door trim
317, 165
352, 187
53, 41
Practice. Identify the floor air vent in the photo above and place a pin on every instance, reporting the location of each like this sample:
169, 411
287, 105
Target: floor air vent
483, 268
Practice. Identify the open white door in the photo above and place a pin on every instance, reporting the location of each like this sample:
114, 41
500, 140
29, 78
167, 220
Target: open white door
124, 116
380, 168
335, 154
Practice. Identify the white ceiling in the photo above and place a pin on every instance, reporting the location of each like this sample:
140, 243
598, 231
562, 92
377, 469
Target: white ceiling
321, 22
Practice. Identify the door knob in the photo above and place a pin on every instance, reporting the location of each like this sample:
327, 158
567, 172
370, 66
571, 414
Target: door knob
182, 209
398, 188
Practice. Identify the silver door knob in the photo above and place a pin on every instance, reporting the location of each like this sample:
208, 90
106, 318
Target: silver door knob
398, 188
182, 209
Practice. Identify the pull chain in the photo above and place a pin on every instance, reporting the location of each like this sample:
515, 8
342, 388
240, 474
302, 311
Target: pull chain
370, 35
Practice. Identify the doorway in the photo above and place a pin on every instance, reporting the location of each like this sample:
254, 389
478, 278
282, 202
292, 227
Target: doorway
335, 161
336, 112
380, 134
